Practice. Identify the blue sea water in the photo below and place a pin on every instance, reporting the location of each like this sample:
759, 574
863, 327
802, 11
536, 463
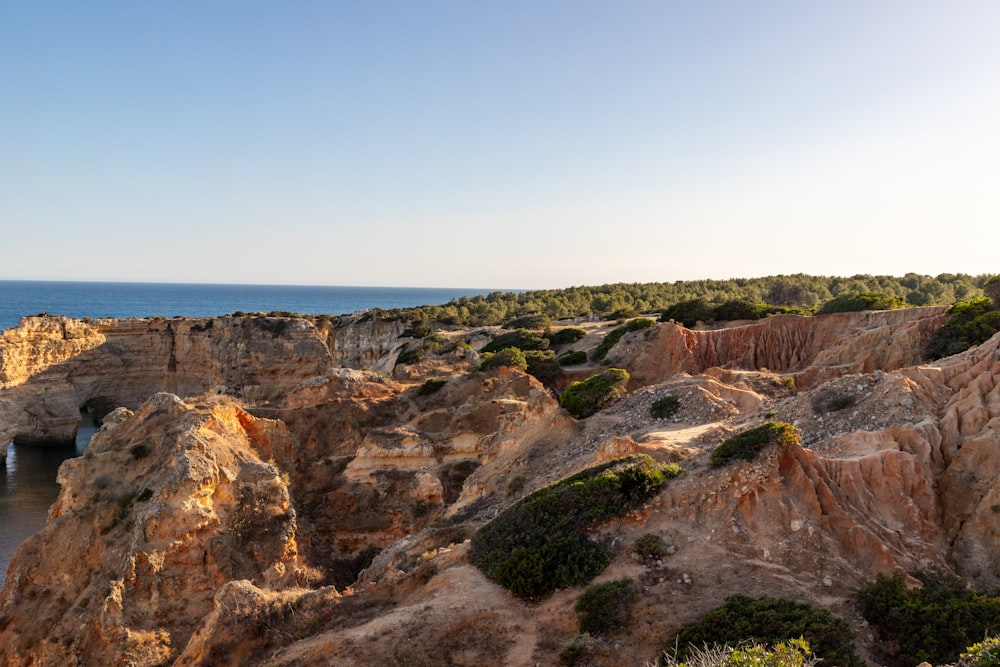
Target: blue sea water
27, 482
90, 299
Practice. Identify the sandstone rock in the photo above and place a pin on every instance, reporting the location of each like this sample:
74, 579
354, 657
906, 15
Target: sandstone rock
206, 531
168, 505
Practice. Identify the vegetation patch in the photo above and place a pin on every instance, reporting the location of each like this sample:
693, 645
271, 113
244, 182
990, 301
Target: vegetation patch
523, 339
509, 356
604, 609
584, 398
650, 547
934, 623
665, 408
793, 653
431, 386
982, 654
770, 621
616, 334
531, 321
566, 336
748, 444
572, 358
540, 544
413, 356
543, 365
969, 323
852, 303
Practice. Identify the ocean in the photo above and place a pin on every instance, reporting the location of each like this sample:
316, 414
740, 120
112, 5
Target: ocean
28, 481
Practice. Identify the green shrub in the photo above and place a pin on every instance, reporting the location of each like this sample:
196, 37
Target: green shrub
852, 303
509, 356
840, 402
539, 544
689, 312
616, 334
572, 358
748, 444
931, 624
532, 321
665, 408
408, 357
793, 653
650, 547
522, 339
584, 398
543, 365
603, 609
418, 328
770, 621
969, 323
566, 336
991, 288
982, 654
431, 386
740, 309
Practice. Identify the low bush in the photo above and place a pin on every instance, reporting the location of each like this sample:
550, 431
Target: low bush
969, 323
748, 444
566, 336
840, 402
431, 386
740, 309
572, 358
523, 339
665, 408
543, 365
650, 547
616, 334
689, 313
770, 621
604, 609
982, 654
509, 356
934, 623
584, 398
540, 544
418, 328
532, 321
852, 303
793, 653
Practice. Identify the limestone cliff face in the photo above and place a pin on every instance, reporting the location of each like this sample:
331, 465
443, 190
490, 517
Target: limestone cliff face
813, 349
51, 367
366, 343
168, 505
174, 542
375, 461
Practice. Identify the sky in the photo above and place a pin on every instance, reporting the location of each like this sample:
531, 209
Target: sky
508, 145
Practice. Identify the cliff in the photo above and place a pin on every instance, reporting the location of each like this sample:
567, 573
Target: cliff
312, 514
51, 367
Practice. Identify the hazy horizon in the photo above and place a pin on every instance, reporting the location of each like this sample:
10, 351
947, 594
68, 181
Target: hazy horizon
523, 145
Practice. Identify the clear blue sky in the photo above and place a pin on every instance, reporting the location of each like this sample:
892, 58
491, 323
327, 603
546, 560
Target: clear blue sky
497, 144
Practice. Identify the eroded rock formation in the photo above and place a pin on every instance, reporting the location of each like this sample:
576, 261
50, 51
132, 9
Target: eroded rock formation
318, 515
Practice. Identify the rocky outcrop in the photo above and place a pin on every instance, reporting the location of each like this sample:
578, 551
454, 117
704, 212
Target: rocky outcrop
52, 367
810, 349
168, 505
366, 343
322, 516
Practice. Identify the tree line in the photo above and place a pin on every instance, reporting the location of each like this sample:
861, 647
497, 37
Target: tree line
798, 293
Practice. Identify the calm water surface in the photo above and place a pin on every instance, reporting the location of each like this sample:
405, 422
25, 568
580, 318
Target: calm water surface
27, 489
